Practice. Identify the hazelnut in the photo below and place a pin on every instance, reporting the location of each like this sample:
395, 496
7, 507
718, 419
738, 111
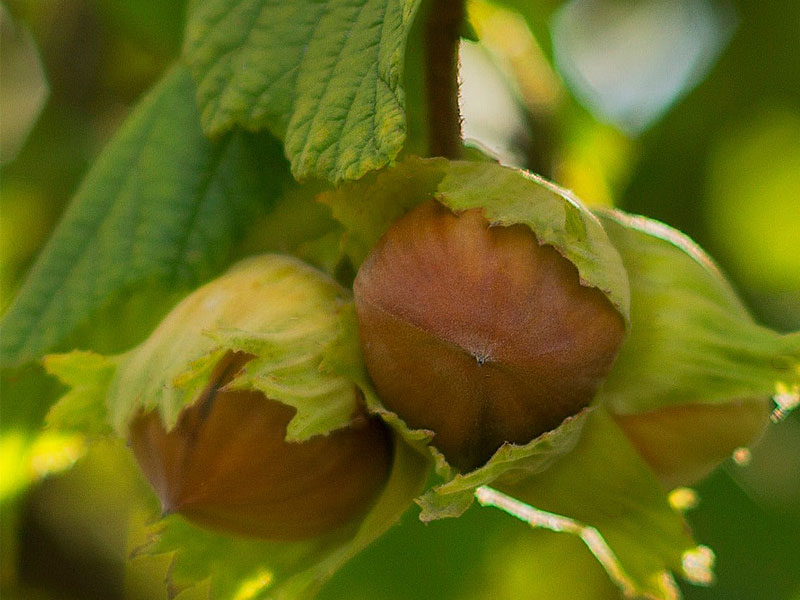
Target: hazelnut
227, 465
683, 444
478, 333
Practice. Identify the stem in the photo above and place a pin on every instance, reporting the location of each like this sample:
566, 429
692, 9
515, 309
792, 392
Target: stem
537, 518
442, 34
697, 563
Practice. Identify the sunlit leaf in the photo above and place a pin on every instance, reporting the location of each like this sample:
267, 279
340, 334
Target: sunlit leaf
25, 458
26, 452
325, 76
83, 407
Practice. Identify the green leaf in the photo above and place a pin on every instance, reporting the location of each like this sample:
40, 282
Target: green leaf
83, 407
161, 207
279, 310
691, 340
210, 565
324, 76
604, 484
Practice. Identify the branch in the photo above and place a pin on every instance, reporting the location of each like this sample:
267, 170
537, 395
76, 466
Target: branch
442, 34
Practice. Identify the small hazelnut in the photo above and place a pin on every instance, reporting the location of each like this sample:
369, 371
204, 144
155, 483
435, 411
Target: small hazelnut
227, 465
683, 444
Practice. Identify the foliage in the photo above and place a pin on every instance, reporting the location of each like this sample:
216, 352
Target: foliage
291, 124
140, 220
323, 76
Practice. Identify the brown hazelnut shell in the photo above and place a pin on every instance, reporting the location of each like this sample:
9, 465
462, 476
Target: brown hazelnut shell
226, 465
683, 444
478, 333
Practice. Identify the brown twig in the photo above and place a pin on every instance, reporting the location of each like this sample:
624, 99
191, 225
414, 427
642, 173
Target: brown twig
442, 34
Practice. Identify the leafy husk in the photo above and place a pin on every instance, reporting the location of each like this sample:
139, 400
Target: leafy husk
692, 341
288, 316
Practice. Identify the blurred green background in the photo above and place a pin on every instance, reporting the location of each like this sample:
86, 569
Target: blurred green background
687, 111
